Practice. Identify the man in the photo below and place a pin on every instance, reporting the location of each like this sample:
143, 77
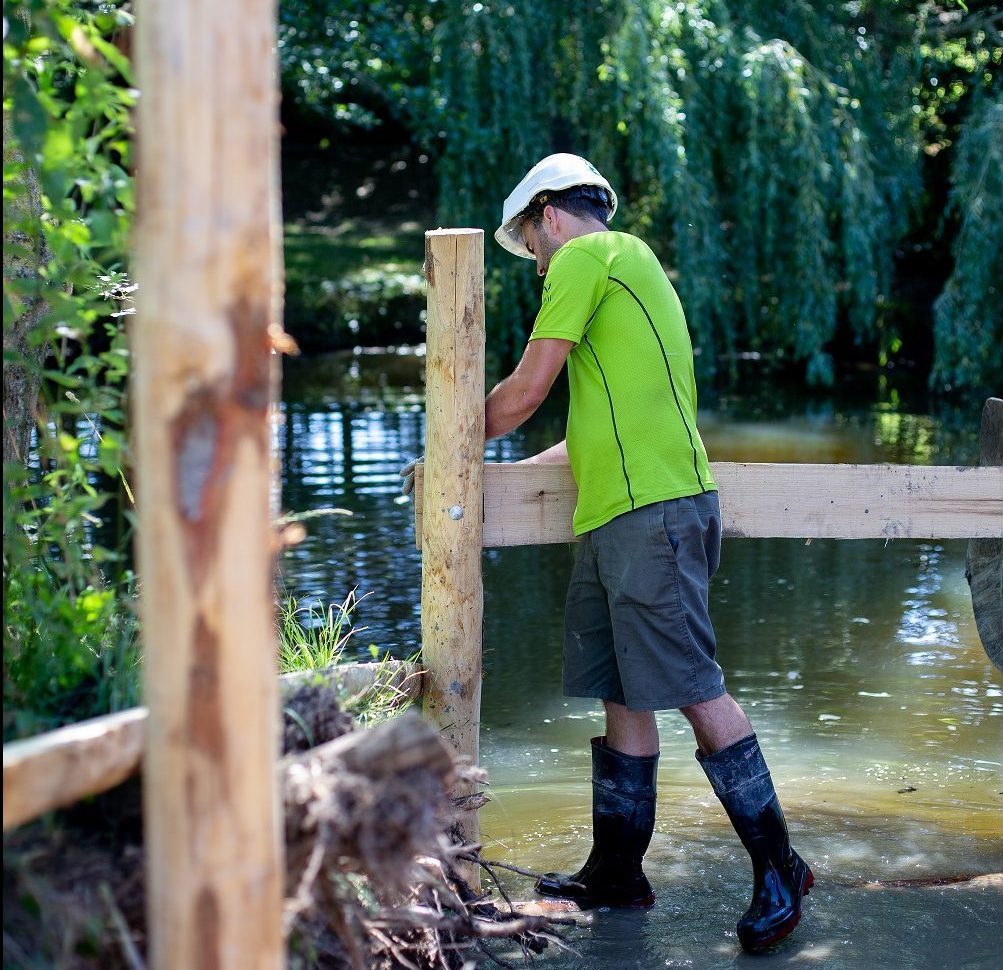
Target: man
638, 635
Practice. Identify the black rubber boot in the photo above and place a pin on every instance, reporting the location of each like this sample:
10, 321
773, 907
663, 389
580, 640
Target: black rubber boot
623, 818
781, 877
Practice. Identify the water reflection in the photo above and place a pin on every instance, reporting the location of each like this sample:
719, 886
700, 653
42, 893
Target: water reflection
858, 662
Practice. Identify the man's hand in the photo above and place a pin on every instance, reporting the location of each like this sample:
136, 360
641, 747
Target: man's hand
555, 455
407, 475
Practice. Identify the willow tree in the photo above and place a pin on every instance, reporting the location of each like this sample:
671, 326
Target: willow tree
770, 154
968, 315
777, 156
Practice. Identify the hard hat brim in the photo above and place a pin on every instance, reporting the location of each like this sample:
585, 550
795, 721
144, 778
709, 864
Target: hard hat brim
555, 173
509, 237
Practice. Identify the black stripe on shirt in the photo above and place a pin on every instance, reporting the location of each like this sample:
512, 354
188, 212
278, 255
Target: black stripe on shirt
672, 383
612, 414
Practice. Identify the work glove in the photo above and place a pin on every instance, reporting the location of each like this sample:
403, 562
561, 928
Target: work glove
407, 475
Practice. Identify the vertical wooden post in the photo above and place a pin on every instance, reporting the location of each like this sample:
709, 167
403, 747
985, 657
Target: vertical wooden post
208, 269
452, 600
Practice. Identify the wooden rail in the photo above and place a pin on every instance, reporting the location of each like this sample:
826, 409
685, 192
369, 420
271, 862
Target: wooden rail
533, 504
61, 767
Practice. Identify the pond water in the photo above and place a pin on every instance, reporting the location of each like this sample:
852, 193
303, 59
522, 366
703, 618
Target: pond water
857, 661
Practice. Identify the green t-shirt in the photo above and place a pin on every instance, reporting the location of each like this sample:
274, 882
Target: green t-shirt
632, 433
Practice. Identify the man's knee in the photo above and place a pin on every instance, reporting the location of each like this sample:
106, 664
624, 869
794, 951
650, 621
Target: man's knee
722, 706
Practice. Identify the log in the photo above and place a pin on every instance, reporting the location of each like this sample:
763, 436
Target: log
355, 678
534, 504
369, 801
391, 748
452, 599
60, 767
984, 562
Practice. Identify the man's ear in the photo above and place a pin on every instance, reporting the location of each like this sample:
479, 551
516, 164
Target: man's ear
552, 217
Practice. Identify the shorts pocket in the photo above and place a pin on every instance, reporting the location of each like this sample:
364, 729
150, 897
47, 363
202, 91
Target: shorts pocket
668, 526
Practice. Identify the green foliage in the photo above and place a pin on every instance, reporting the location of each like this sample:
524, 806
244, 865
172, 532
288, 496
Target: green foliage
70, 633
311, 638
331, 301
355, 62
748, 142
772, 154
968, 316
67, 96
314, 639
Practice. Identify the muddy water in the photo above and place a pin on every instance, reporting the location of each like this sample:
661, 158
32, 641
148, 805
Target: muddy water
858, 662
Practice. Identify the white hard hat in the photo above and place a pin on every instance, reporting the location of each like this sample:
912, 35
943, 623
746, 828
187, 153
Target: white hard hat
554, 173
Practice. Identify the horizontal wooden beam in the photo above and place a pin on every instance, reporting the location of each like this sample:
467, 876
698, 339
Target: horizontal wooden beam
60, 767
534, 504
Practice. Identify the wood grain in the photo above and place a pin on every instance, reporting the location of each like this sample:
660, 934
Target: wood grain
452, 600
208, 271
534, 504
60, 767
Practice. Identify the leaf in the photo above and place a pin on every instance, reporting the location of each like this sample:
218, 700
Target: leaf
114, 57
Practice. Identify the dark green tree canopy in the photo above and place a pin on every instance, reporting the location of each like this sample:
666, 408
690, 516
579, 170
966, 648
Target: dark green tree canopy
779, 158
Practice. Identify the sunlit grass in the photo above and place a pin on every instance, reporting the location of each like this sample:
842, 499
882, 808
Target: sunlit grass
314, 639
311, 637
325, 252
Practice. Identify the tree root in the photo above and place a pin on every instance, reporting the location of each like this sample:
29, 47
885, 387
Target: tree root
371, 861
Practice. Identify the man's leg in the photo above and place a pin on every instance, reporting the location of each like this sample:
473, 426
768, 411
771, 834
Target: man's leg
631, 732
624, 765
730, 756
717, 723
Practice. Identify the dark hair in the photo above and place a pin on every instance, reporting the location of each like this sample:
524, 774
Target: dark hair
583, 201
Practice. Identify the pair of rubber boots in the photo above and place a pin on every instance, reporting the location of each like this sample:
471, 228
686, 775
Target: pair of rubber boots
623, 819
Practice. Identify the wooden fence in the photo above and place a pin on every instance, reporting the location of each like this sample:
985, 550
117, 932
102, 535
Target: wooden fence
208, 268
525, 504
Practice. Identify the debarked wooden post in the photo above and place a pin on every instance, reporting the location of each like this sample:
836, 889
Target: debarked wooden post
208, 268
452, 598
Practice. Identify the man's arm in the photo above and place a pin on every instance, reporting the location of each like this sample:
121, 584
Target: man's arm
521, 393
555, 455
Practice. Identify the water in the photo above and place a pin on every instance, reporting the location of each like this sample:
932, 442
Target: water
858, 662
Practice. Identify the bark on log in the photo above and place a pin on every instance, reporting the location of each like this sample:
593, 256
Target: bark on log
369, 801
984, 563
355, 678
397, 746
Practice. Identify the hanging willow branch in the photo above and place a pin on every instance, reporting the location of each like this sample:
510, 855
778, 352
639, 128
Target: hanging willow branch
769, 153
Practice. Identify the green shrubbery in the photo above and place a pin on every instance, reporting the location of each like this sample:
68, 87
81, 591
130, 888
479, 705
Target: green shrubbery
70, 631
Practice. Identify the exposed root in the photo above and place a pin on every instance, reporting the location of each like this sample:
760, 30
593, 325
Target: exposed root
371, 850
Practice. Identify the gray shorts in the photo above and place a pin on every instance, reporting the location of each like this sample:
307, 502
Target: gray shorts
637, 628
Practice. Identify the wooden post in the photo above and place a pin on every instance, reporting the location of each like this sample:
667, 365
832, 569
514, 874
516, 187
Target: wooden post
208, 269
452, 600
984, 563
